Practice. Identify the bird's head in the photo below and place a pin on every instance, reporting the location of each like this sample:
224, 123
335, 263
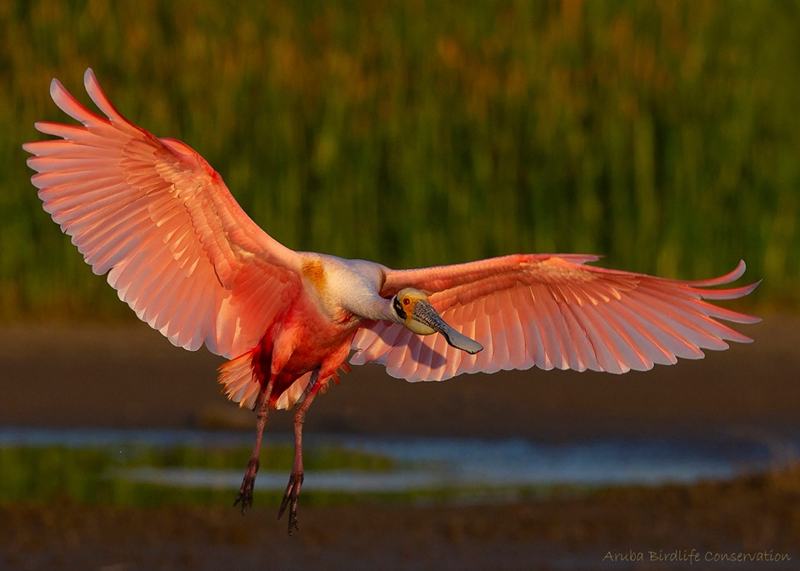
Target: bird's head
412, 308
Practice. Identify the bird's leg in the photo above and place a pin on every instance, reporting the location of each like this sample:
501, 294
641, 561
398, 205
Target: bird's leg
292, 493
245, 497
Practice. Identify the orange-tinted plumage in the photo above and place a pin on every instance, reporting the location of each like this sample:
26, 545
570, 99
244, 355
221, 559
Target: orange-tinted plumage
159, 220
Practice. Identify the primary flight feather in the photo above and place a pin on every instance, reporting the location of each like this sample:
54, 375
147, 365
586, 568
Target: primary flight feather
179, 250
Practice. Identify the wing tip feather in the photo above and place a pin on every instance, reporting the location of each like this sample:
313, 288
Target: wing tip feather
729, 293
98, 96
30, 148
56, 88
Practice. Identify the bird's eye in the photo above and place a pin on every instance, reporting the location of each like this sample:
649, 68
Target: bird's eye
406, 301
399, 308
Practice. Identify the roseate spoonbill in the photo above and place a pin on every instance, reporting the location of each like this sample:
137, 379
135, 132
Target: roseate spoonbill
186, 258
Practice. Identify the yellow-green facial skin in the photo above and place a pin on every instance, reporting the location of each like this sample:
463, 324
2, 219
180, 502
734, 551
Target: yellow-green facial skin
418, 315
408, 298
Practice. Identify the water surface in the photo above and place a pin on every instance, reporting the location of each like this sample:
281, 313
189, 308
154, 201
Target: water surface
433, 463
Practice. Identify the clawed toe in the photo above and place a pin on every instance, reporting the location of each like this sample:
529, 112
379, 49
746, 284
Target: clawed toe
290, 500
245, 497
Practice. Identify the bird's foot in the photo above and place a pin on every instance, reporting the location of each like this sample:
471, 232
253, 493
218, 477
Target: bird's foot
245, 497
290, 498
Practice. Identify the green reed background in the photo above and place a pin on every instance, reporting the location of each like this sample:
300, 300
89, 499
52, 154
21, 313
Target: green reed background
665, 135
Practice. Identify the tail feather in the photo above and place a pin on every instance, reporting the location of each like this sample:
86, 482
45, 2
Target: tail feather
239, 381
240, 384
294, 393
297, 391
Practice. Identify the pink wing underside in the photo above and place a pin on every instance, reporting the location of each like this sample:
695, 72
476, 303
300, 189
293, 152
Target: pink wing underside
552, 311
154, 215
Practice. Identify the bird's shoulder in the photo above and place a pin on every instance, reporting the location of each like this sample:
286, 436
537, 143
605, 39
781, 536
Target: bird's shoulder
336, 282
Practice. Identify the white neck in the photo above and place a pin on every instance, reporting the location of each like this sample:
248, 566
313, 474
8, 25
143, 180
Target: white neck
354, 285
373, 307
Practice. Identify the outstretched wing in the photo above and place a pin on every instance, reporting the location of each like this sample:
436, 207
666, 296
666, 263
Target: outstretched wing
552, 311
154, 215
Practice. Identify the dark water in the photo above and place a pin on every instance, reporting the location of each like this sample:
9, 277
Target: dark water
446, 463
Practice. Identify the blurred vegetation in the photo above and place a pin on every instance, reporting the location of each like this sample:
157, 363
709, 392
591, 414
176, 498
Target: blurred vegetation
103, 475
662, 134
97, 475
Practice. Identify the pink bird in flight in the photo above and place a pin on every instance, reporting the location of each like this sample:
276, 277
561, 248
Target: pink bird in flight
181, 252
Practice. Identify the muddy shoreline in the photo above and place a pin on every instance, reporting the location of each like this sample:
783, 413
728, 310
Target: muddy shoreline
126, 376
757, 514
129, 376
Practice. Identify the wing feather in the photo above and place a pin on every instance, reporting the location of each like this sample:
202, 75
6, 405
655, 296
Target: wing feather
154, 216
549, 311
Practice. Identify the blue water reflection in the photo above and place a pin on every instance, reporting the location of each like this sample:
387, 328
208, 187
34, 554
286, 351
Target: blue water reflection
441, 463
